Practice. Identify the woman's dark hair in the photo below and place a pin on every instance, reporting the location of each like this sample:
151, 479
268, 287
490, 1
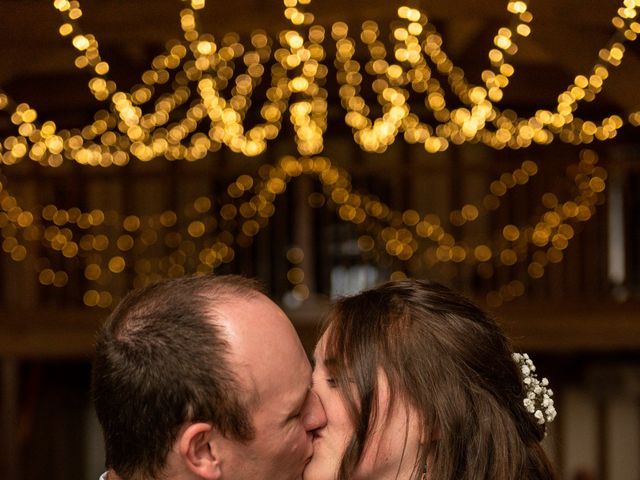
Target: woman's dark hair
161, 360
449, 361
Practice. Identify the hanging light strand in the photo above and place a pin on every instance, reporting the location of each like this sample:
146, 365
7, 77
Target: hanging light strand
200, 68
208, 233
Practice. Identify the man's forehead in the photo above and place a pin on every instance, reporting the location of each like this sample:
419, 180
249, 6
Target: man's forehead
256, 311
264, 346
255, 323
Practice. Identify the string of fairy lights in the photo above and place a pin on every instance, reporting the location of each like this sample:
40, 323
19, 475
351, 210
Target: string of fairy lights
196, 96
201, 69
206, 236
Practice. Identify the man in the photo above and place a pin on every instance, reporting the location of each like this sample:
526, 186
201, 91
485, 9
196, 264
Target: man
203, 377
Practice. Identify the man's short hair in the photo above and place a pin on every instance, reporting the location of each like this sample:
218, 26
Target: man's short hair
161, 360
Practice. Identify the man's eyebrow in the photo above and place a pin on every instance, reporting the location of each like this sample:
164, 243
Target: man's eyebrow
299, 403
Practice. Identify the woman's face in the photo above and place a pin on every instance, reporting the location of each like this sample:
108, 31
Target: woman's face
391, 447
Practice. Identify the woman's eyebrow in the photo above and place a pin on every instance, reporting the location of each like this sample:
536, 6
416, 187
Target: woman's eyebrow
327, 362
330, 362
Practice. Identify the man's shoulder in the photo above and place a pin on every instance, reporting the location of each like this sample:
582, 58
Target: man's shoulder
103, 476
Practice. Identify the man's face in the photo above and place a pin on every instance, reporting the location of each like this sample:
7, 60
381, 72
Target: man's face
271, 363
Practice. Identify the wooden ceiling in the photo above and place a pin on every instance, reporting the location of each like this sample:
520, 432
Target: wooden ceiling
37, 64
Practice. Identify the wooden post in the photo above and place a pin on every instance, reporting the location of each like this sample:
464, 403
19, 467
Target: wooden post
9, 419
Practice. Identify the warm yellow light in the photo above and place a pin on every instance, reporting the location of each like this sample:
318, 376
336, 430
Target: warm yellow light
81, 42
62, 5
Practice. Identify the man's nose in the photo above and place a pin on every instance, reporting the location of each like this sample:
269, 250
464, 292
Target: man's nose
315, 416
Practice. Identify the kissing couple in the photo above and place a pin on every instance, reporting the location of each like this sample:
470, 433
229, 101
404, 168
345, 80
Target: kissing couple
204, 378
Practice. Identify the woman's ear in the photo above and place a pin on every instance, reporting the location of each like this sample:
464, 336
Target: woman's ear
435, 433
431, 434
198, 452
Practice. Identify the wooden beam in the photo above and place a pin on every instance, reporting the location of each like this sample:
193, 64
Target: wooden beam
566, 35
572, 327
153, 20
49, 333
543, 327
554, 327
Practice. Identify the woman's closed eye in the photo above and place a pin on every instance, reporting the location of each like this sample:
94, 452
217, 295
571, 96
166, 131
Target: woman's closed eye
331, 382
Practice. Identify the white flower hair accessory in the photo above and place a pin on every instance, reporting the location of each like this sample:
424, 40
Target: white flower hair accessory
537, 401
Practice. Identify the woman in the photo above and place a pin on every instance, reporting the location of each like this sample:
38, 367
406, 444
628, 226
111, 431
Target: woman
418, 383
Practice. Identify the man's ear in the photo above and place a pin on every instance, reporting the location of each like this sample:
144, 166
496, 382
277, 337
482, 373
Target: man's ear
198, 453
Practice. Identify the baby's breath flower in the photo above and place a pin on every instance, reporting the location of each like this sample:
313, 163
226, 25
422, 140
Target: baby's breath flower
537, 399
